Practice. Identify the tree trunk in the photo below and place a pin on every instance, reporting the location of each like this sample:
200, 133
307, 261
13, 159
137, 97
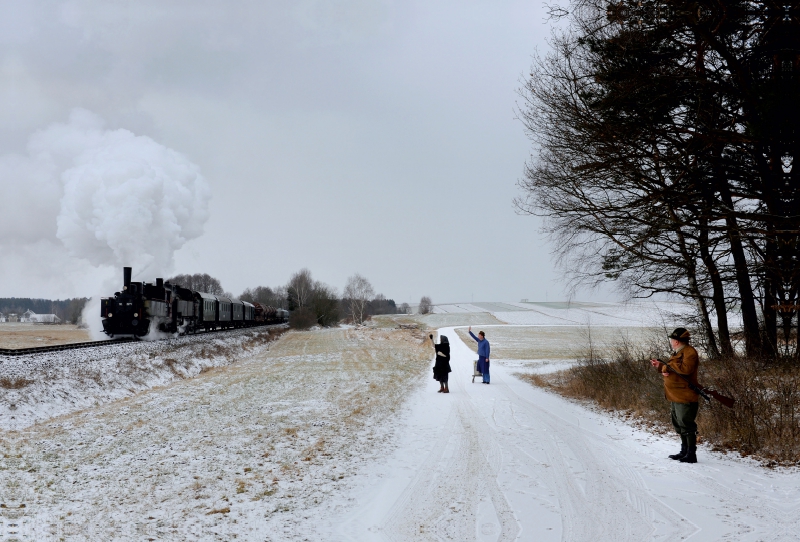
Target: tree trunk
700, 300
718, 291
770, 300
752, 336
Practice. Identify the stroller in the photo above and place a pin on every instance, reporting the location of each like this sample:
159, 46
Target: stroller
475, 371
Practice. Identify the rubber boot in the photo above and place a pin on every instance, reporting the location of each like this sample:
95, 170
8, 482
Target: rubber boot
446, 388
691, 452
441, 388
684, 448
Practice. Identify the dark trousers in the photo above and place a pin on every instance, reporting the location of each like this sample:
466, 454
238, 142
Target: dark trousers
683, 418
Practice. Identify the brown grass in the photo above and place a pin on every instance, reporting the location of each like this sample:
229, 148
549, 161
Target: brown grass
21, 335
14, 383
765, 422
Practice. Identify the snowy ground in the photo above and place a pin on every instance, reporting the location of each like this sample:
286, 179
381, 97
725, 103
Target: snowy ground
560, 342
633, 314
255, 450
512, 462
38, 387
340, 435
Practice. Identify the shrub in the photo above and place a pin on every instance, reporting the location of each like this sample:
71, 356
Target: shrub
302, 318
764, 422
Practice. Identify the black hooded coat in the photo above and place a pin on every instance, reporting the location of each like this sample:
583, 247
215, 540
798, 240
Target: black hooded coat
442, 366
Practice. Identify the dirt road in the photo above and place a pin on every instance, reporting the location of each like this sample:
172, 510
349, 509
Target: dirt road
509, 461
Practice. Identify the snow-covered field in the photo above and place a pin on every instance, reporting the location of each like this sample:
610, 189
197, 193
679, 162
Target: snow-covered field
634, 314
253, 450
516, 342
340, 435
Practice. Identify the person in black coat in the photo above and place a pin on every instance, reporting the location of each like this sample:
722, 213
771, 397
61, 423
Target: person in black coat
441, 369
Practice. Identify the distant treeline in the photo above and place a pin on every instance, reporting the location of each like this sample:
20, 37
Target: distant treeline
69, 310
310, 301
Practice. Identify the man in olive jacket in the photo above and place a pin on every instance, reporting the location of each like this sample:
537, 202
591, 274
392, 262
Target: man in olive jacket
684, 401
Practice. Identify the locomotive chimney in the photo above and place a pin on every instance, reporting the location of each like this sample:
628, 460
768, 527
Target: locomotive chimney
126, 276
160, 283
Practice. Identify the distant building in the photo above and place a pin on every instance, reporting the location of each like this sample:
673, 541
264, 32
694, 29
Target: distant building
31, 317
45, 319
12, 318
2, 318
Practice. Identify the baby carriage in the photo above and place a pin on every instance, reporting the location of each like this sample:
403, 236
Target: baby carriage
475, 371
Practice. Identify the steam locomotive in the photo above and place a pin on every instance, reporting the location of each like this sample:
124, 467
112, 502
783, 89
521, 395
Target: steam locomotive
171, 308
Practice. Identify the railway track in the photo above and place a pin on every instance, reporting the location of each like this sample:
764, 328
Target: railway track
13, 352
58, 347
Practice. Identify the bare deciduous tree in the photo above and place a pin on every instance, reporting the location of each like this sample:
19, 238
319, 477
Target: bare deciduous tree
658, 165
274, 297
358, 292
425, 305
299, 289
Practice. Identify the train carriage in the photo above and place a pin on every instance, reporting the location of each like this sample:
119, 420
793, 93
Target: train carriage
224, 318
249, 313
207, 311
237, 313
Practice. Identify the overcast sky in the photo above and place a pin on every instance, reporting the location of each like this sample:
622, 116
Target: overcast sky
346, 136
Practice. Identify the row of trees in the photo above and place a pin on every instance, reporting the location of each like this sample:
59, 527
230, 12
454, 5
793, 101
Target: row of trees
665, 135
310, 301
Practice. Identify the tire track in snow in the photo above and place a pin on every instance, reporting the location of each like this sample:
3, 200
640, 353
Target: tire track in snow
440, 503
596, 500
599, 495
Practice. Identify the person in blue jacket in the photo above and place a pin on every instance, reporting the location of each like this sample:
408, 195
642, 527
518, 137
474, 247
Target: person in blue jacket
483, 354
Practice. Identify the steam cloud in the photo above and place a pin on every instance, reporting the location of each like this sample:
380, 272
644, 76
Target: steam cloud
105, 196
126, 197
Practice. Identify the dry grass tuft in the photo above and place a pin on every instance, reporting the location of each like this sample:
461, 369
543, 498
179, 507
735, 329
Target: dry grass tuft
225, 510
15, 383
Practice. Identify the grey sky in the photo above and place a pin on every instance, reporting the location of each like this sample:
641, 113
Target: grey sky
342, 136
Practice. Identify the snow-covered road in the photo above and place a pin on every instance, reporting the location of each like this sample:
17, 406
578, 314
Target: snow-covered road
512, 462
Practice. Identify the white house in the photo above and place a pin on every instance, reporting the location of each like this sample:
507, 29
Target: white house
26, 316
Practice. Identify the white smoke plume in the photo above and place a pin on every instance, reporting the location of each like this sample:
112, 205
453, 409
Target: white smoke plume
85, 193
127, 200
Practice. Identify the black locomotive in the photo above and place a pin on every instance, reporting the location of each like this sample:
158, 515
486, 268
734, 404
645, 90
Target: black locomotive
173, 309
